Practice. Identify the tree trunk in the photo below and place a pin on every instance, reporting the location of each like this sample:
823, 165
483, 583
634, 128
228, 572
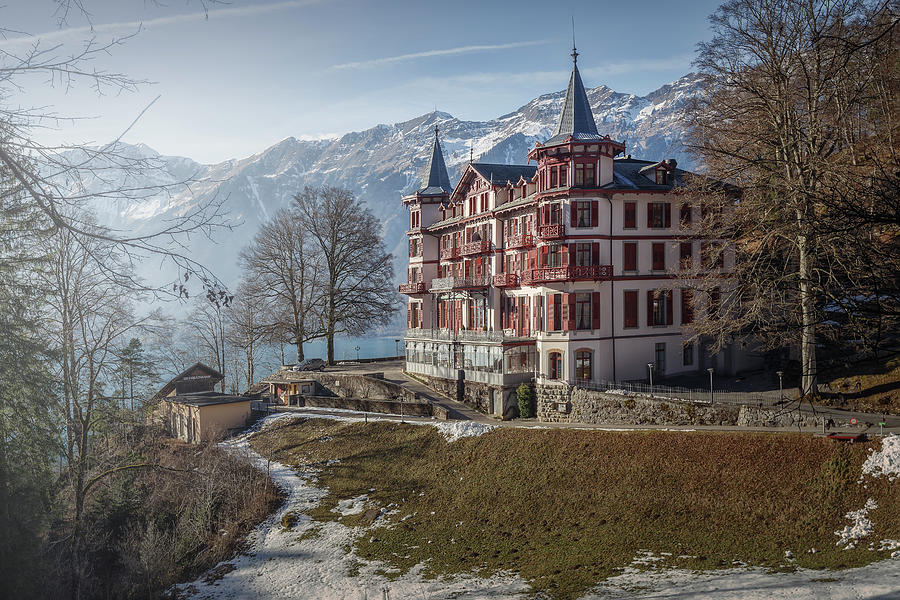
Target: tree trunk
300, 355
330, 337
808, 332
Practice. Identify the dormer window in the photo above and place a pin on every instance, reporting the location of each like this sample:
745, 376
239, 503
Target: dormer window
662, 177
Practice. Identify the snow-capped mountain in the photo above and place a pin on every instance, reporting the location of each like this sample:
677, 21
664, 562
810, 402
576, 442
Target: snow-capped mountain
383, 162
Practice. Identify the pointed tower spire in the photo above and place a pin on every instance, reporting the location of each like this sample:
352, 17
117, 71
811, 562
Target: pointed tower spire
436, 180
576, 118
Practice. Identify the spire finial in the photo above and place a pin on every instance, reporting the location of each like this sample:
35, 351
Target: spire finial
436, 128
574, 51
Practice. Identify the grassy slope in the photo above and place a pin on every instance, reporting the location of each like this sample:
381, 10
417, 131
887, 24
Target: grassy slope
872, 386
566, 509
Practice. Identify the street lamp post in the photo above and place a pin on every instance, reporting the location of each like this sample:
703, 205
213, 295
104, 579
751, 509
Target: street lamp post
357, 354
650, 366
397, 348
710, 371
780, 386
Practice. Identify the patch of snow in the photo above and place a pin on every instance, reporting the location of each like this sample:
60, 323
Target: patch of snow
351, 506
454, 430
293, 564
885, 462
873, 582
860, 528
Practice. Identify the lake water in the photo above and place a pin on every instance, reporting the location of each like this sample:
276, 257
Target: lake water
345, 348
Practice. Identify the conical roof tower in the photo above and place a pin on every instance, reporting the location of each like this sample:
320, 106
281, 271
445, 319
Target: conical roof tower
436, 180
576, 119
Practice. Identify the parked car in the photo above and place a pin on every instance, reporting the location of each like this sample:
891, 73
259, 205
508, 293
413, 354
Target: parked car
310, 364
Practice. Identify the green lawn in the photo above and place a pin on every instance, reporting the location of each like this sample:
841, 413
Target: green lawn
566, 509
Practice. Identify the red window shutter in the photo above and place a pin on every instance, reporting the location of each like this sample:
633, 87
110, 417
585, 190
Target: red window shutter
594, 220
659, 256
568, 312
458, 315
595, 310
551, 313
649, 214
650, 308
408, 319
536, 302
630, 215
595, 253
564, 255
545, 253
573, 213
667, 214
631, 308
630, 249
669, 319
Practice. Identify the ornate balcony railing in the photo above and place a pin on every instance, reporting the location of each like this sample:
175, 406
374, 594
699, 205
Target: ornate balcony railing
525, 240
463, 335
449, 253
551, 232
417, 287
459, 283
570, 273
479, 247
506, 280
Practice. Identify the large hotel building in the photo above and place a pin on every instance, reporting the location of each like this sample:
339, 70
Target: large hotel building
558, 270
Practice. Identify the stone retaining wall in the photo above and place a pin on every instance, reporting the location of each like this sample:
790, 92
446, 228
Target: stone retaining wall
364, 386
559, 403
394, 407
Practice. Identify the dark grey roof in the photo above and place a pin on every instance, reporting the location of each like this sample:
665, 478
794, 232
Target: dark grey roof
627, 175
500, 174
436, 180
576, 119
207, 399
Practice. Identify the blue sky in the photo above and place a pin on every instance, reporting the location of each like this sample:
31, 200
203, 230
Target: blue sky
252, 72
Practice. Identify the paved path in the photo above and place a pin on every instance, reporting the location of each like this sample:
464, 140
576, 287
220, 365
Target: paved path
393, 371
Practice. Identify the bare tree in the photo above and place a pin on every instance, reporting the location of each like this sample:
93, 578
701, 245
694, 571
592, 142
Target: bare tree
787, 81
246, 327
285, 271
357, 293
207, 323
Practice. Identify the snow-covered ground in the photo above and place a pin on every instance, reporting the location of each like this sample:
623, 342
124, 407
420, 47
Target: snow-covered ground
312, 560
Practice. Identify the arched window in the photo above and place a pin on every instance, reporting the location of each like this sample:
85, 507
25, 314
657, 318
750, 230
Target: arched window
584, 365
555, 369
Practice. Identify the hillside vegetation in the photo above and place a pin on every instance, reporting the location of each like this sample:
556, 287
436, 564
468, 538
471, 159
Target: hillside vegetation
566, 509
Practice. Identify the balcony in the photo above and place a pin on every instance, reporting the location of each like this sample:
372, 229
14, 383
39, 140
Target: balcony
441, 284
412, 288
525, 240
464, 335
551, 232
506, 280
479, 247
570, 273
449, 253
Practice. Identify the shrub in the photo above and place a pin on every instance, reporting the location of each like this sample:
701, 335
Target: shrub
523, 395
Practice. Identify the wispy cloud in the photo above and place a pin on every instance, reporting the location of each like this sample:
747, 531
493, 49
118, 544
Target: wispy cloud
78, 33
377, 62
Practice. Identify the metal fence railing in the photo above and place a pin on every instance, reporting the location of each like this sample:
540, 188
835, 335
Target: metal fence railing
693, 395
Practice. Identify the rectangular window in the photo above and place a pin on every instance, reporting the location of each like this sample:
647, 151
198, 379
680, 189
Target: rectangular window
659, 357
687, 306
554, 177
631, 309
583, 311
583, 213
589, 175
630, 216
687, 354
658, 308
685, 217
563, 176
659, 256
579, 175
630, 251
715, 297
554, 257
686, 251
582, 254
659, 215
